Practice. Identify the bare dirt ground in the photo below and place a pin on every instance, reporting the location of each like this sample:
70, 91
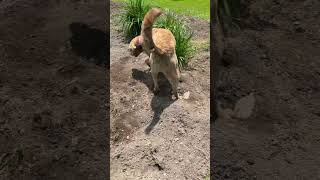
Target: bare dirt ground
276, 58
52, 102
153, 137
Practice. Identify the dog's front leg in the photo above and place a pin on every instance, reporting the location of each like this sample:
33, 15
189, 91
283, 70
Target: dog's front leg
173, 79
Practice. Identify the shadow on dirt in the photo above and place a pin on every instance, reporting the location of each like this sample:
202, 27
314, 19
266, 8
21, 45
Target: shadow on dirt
89, 43
160, 101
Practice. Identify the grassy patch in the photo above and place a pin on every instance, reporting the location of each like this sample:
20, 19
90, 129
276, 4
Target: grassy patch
197, 8
229, 13
182, 34
11, 160
202, 45
132, 16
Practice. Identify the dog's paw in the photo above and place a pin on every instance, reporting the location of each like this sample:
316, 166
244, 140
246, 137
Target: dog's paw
175, 97
147, 62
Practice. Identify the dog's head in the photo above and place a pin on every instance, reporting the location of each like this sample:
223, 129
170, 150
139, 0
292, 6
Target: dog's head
135, 46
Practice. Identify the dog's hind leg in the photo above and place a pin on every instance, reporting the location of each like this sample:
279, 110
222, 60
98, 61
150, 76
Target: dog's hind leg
154, 73
147, 62
173, 79
155, 81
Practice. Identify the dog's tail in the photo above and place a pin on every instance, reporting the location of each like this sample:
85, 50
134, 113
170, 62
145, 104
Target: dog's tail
146, 29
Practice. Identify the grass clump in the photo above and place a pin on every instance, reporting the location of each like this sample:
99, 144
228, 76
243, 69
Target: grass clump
229, 13
132, 16
182, 34
197, 8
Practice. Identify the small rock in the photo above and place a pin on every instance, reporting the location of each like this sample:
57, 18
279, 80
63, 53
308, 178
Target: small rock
236, 168
183, 77
244, 107
186, 95
227, 175
34, 158
288, 160
74, 140
250, 162
300, 30
84, 124
30, 78
75, 90
274, 142
181, 130
118, 156
37, 118
264, 56
296, 23
21, 131
92, 93
56, 157
62, 49
24, 84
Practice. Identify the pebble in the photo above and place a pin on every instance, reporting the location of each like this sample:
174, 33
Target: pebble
250, 162
264, 56
296, 23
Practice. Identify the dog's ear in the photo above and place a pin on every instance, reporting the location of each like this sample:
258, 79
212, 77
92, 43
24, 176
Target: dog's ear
135, 42
135, 46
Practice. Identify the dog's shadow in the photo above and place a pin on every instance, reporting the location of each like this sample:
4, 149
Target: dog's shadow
160, 101
88, 42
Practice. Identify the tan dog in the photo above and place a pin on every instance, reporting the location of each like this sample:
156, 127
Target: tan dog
159, 44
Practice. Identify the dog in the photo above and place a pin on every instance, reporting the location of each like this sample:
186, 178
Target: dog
159, 44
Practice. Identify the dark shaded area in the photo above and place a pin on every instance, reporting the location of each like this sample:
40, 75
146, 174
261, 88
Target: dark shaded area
89, 42
274, 56
52, 109
161, 100
144, 77
158, 105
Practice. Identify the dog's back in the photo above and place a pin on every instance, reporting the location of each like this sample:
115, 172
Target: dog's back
159, 40
164, 41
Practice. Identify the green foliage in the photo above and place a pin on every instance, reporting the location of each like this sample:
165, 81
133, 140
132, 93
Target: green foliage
197, 8
132, 16
11, 160
182, 34
229, 12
